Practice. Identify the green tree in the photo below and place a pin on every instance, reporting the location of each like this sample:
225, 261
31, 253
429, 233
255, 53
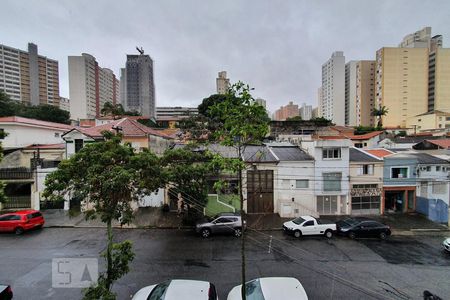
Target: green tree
296, 118
109, 176
43, 112
244, 122
186, 172
116, 110
379, 113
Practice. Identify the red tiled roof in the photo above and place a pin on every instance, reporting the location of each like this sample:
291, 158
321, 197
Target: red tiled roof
34, 122
365, 136
379, 152
129, 128
444, 143
46, 146
332, 137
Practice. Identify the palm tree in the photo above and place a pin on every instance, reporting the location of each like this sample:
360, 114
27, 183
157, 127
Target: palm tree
112, 109
380, 112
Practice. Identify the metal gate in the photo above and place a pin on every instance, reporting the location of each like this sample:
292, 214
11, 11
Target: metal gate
260, 191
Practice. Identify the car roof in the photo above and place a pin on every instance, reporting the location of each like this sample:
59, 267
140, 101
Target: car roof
307, 218
228, 214
23, 212
282, 288
187, 289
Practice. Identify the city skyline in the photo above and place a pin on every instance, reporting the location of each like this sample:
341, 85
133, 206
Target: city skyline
283, 61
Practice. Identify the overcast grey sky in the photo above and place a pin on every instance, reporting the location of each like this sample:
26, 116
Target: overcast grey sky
277, 47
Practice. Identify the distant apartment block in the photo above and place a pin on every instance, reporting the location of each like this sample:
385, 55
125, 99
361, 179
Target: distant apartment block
350, 93
261, 102
333, 89
29, 77
90, 87
315, 113
365, 92
306, 112
287, 111
175, 111
138, 87
222, 83
64, 104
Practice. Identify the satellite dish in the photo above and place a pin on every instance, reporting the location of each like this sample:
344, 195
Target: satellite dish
141, 51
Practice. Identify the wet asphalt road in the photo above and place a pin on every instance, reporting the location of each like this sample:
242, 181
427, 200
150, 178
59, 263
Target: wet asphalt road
399, 268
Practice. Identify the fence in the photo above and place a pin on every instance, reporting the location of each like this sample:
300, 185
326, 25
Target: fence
17, 202
435, 209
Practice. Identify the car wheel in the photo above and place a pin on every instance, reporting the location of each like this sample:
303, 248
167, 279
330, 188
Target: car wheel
206, 233
383, 236
18, 230
237, 232
329, 234
352, 235
297, 233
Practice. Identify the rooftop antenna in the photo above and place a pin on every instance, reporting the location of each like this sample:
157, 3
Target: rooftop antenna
141, 51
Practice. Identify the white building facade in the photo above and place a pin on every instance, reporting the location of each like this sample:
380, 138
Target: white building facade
333, 89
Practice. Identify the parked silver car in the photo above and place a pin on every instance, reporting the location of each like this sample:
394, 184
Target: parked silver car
221, 223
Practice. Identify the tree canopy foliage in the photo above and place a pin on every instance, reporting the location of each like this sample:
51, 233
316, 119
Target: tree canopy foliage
43, 112
109, 176
116, 110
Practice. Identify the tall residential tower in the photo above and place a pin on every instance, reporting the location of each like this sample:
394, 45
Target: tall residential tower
138, 88
29, 77
333, 89
90, 87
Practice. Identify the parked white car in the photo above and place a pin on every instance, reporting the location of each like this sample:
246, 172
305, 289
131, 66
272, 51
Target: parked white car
270, 288
446, 245
307, 225
178, 289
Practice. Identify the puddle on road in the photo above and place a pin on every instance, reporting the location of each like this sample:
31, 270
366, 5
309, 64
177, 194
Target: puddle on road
408, 252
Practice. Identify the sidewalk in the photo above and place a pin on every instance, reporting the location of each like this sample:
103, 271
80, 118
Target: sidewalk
401, 224
145, 217
151, 217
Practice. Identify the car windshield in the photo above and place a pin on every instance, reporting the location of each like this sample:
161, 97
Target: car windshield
159, 292
298, 221
348, 222
253, 290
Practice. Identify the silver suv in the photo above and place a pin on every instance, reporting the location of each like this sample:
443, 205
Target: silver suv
221, 223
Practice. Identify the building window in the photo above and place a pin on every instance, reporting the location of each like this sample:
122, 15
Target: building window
302, 183
359, 145
438, 168
78, 145
428, 168
332, 182
331, 153
399, 172
327, 205
366, 170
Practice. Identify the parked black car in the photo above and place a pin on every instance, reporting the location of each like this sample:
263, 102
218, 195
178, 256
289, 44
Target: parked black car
362, 227
5, 292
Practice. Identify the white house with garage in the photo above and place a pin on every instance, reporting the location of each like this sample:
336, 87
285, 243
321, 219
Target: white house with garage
331, 174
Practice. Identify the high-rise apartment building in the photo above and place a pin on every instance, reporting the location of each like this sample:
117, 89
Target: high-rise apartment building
306, 112
222, 83
138, 88
315, 113
401, 83
90, 87
438, 76
333, 89
287, 111
350, 93
29, 77
64, 104
261, 102
365, 92
319, 102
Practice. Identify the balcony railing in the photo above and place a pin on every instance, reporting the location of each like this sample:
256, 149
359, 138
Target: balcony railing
15, 173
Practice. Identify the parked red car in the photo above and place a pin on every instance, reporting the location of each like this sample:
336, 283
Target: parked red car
20, 221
